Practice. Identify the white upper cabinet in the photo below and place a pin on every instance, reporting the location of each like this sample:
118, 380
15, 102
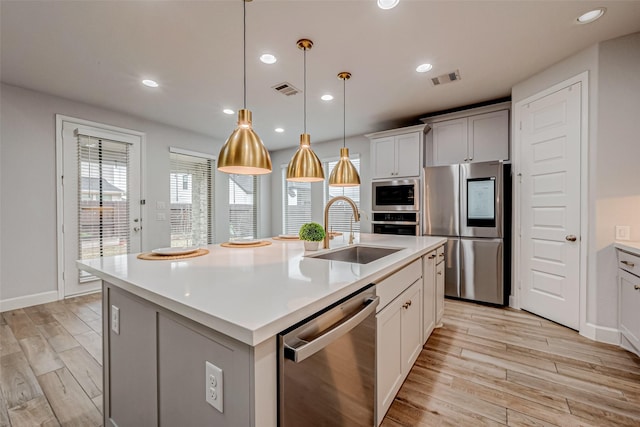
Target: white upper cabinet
477, 138
397, 153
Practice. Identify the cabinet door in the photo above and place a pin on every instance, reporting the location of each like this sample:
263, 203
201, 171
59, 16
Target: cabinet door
408, 159
384, 165
450, 142
411, 325
439, 293
428, 294
629, 291
489, 137
389, 375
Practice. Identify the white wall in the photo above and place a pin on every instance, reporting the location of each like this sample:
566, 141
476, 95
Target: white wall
28, 246
325, 150
613, 152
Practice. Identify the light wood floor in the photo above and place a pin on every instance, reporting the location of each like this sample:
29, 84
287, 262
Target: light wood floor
486, 366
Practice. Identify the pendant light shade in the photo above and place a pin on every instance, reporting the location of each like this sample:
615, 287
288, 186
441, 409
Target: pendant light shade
305, 166
244, 153
344, 174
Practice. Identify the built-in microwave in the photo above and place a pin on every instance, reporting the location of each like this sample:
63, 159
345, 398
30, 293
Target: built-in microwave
395, 195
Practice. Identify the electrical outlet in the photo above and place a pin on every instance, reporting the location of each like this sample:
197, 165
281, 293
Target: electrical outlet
214, 386
161, 205
623, 232
115, 319
161, 216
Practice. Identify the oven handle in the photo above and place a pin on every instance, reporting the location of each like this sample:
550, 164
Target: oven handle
396, 222
333, 333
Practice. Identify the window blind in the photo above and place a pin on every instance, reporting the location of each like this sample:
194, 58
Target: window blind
296, 204
191, 199
103, 202
243, 206
340, 212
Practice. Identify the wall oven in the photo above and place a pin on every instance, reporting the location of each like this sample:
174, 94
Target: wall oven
396, 207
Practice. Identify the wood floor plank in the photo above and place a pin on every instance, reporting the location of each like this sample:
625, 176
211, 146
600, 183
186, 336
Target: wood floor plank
39, 315
92, 342
4, 411
17, 381
21, 325
517, 419
58, 336
8, 343
429, 357
601, 416
85, 370
35, 412
41, 356
552, 353
463, 336
82, 312
71, 322
70, 404
98, 401
96, 326
621, 406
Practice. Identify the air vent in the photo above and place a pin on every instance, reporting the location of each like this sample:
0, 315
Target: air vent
446, 78
286, 89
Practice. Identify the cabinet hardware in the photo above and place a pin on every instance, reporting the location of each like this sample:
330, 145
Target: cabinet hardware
439, 273
571, 238
137, 228
441, 255
630, 264
432, 256
636, 287
406, 304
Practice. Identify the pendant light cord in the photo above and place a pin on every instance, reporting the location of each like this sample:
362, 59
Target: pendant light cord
305, 90
244, 49
344, 113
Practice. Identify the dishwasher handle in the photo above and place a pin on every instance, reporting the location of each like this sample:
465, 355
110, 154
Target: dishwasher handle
312, 347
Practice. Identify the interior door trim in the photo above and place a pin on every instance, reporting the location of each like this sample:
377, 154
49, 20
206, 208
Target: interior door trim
586, 329
60, 120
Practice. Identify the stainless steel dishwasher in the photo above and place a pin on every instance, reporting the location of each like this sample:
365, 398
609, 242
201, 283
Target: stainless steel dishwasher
326, 365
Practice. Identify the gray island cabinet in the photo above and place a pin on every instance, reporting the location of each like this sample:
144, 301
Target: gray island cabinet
167, 322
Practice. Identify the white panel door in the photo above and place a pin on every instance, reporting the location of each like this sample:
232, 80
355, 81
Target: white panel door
101, 199
550, 206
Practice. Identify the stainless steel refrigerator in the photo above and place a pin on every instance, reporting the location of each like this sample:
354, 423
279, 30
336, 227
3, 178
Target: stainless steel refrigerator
470, 205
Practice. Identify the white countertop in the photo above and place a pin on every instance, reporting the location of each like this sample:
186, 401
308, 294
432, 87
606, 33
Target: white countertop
251, 294
631, 247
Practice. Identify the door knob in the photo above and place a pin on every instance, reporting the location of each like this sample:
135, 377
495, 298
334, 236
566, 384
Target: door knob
571, 238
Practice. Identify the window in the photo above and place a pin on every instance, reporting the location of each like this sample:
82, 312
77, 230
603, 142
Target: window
243, 206
296, 204
103, 206
340, 213
191, 198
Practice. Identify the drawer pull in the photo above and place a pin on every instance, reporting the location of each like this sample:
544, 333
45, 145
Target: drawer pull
441, 255
439, 273
636, 287
406, 304
628, 263
432, 257
571, 238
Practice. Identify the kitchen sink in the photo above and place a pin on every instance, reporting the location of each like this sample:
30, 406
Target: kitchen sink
357, 254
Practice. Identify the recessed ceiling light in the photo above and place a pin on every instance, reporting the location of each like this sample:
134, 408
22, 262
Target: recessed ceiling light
423, 68
268, 58
387, 4
591, 16
228, 111
150, 83
326, 97
279, 130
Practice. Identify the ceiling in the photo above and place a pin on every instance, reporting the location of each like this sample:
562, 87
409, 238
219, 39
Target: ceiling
97, 52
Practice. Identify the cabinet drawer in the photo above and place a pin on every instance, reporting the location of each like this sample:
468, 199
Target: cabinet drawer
439, 254
392, 286
629, 262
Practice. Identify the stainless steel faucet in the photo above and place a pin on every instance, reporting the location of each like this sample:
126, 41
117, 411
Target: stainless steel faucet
356, 216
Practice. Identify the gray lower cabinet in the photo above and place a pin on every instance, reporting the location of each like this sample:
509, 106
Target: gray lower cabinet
155, 368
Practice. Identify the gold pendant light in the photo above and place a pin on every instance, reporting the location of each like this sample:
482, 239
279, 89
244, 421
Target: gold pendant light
244, 153
344, 174
305, 165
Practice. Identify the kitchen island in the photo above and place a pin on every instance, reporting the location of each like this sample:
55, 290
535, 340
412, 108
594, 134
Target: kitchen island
164, 319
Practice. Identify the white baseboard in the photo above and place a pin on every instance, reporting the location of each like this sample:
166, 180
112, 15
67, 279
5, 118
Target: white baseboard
28, 300
601, 333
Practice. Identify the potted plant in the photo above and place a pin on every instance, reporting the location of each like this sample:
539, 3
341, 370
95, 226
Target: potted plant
312, 234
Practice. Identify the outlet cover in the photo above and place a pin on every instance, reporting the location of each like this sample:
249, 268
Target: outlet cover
214, 386
623, 232
115, 319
